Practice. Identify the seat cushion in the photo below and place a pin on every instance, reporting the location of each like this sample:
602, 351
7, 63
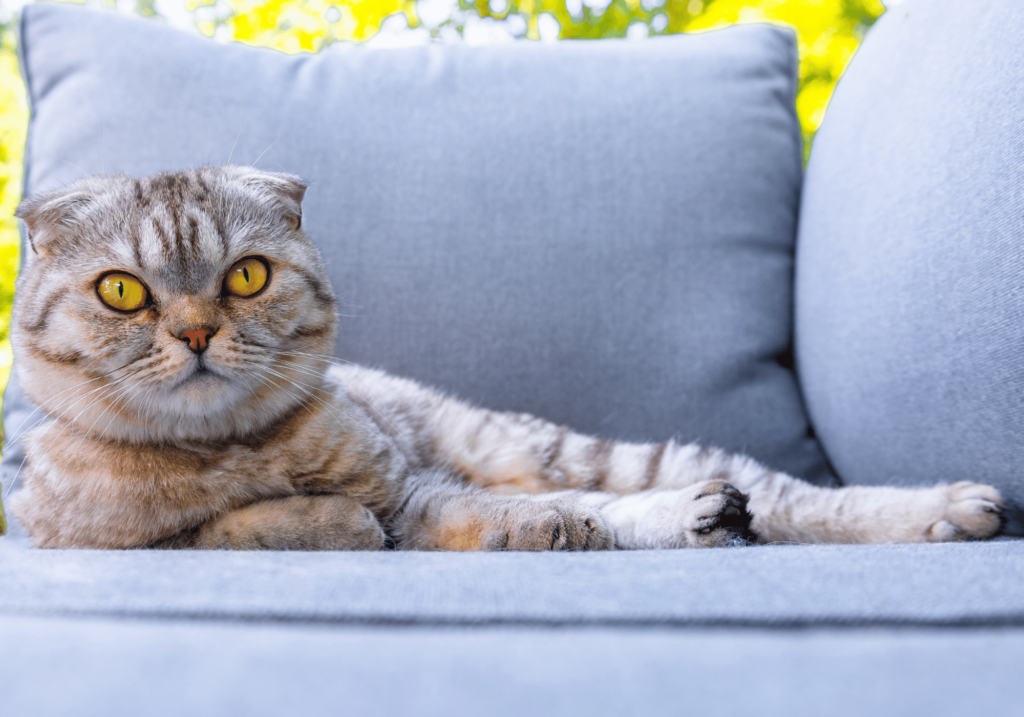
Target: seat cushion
462, 632
910, 312
600, 233
167, 668
776, 585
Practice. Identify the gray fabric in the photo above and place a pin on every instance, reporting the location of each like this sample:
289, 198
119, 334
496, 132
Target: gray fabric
98, 667
600, 233
909, 309
951, 584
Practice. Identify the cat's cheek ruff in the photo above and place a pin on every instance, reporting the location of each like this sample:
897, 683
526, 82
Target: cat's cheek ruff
244, 403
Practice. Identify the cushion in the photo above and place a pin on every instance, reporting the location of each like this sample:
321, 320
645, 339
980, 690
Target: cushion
600, 233
97, 667
947, 584
103, 633
909, 306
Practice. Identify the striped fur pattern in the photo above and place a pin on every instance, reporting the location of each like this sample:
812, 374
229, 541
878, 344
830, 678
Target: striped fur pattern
261, 441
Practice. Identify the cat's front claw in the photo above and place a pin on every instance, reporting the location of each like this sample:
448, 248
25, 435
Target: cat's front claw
970, 511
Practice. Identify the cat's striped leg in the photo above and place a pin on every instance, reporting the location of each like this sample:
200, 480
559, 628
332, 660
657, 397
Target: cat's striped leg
515, 452
790, 510
441, 513
518, 452
787, 509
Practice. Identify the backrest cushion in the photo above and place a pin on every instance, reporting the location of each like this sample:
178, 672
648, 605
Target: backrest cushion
910, 265
600, 233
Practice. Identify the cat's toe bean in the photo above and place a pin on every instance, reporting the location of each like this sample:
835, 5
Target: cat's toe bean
721, 516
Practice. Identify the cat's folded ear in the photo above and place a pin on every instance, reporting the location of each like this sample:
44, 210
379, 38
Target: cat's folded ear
53, 215
285, 191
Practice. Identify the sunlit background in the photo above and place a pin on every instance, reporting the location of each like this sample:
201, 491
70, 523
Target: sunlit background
828, 31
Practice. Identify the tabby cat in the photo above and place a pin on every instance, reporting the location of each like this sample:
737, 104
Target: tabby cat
176, 332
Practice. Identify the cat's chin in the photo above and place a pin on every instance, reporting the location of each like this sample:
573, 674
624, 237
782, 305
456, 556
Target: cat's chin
205, 404
199, 382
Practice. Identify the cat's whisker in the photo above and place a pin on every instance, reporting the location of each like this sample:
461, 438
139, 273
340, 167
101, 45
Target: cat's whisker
253, 165
333, 360
297, 398
121, 392
74, 165
312, 373
331, 408
117, 410
327, 407
233, 145
85, 434
116, 395
306, 371
64, 426
264, 381
255, 395
322, 357
18, 433
73, 400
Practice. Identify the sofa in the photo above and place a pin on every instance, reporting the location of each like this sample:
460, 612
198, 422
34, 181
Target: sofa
621, 237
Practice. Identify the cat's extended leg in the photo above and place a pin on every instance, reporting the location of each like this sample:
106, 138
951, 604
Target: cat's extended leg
304, 522
519, 452
439, 513
791, 510
786, 509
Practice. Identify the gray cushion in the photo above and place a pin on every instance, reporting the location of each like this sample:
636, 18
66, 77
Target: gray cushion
167, 668
910, 311
778, 585
600, 233
94, 632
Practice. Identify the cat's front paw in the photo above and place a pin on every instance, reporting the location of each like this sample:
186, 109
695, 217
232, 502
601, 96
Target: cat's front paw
717, 516
709, 514
551, 525
968, 511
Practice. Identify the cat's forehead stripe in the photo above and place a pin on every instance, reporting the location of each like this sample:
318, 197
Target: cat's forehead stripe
181, 229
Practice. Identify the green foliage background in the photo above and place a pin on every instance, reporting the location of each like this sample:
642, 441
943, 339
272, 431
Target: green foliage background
828, 31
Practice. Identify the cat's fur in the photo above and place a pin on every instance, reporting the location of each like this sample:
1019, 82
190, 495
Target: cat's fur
262, 442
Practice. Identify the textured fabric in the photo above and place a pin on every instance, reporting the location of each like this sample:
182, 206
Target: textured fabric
950, 584
156, 668
600, 233
909, 308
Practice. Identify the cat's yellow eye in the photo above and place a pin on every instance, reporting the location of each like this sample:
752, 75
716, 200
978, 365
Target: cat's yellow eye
122, 292
246, 277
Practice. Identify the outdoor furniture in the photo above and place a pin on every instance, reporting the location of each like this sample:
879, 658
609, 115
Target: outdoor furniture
617, 236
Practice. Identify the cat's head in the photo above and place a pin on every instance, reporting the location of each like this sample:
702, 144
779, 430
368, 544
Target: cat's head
186, 305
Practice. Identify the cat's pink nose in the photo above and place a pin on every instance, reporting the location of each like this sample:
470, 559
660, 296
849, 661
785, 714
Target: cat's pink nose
198, 339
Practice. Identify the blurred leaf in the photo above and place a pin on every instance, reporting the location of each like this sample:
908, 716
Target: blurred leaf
13, 126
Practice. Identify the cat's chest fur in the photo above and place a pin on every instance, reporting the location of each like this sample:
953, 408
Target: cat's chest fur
78, 483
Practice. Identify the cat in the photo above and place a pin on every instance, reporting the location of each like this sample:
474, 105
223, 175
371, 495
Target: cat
177, 331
